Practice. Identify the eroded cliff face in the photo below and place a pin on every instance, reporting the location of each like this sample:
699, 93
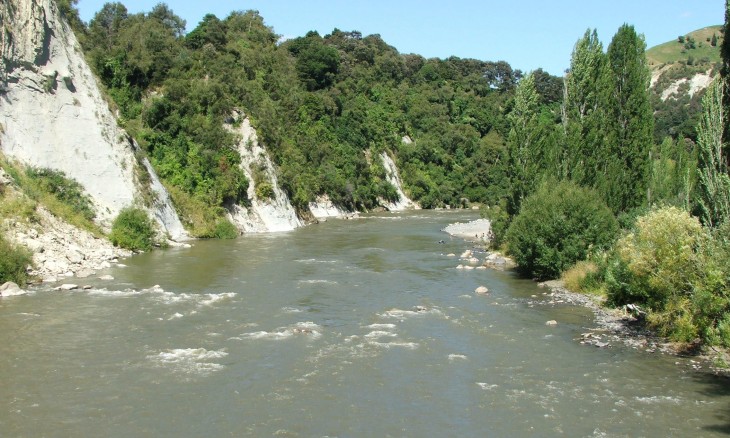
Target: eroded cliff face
404, 202
269, 209
52, 114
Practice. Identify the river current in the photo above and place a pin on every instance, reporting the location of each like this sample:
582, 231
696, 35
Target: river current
359, 328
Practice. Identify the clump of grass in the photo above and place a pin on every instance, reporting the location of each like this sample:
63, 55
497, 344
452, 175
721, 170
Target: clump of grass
575, 277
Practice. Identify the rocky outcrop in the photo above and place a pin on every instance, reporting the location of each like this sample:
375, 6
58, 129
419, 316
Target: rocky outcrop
323, 208
269, 209
53, 115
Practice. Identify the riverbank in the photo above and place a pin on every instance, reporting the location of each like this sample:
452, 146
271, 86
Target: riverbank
613, 326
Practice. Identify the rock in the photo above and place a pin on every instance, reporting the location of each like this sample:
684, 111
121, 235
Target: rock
552, 322
106, 277
466, 254
34, 246
74, 256
68, 286
451, 255
481, 290
87, 287
11, 289
84, 273
460, 267
104, 265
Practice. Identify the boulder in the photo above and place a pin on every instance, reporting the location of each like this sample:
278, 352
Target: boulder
68, 286
10, 289
481, 290
552, 322
84, 273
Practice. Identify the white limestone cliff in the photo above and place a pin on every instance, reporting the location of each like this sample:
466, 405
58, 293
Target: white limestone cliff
268, 214
53, 115
404, 203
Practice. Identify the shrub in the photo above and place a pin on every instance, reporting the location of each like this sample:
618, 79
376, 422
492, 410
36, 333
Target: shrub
14, 261
133, 230
657, 260
224, 229
557, 226
264, 190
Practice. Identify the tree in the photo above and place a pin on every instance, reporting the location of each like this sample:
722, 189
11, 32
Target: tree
522, 143
106, 25
714, 182
629, 122
725, 73
558, 225
583, 110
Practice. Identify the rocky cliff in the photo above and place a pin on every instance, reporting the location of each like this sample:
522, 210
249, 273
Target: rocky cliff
269, 209
53, 115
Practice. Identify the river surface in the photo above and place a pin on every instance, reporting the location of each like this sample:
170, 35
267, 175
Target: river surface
360, 328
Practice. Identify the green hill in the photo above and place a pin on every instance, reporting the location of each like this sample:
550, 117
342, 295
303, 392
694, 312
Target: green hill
695, 47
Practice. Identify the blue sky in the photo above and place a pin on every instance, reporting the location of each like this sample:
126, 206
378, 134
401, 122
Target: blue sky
528, 34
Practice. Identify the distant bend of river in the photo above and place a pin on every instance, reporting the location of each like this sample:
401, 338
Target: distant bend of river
360, 328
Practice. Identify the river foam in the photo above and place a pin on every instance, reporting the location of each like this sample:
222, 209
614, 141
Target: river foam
192, 361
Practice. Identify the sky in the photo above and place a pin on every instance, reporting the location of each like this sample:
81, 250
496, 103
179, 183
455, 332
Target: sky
528, 34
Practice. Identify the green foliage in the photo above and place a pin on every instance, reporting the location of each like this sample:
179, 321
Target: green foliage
63, 197
629, 122
64, 189
656, 261
678, 271
584, 111
133, 229
558, 225
14, 261
224, 229
714, 181
319, 104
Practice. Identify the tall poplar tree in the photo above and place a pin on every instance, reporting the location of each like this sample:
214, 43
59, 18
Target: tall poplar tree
582, 110
522, 143
629, 122
714, 182
725, 73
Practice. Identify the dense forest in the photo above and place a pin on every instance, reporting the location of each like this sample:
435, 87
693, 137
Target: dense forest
582, 177
321, 104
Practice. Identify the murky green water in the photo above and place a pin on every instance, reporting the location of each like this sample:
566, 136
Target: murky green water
314, 333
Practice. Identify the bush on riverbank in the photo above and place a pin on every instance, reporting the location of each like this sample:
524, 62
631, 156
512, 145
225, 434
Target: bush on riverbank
557, 226
674, 269
14, 261
133, 230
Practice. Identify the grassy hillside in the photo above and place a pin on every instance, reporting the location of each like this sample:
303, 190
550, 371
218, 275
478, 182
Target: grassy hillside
676, 51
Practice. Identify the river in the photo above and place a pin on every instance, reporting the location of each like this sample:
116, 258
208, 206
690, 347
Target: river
359, 328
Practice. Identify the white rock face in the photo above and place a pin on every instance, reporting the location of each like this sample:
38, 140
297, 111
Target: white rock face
391, 171
53, 115
323, 208
697, 83
264, 215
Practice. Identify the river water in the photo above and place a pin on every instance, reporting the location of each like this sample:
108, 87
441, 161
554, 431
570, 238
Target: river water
360, 328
